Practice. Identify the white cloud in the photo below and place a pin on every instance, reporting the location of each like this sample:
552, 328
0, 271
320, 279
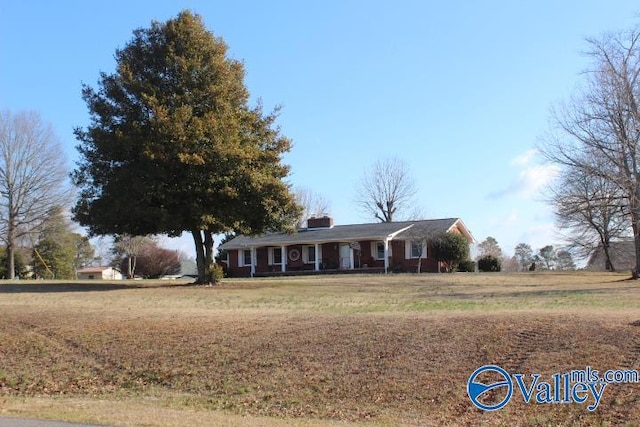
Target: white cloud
540, 235
525, 158
531, 178
512, 222
511, 219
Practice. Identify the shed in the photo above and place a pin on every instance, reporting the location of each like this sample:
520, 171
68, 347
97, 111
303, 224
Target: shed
99, 273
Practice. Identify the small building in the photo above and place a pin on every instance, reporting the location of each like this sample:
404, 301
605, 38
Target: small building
622, 254
99, 273
325, 247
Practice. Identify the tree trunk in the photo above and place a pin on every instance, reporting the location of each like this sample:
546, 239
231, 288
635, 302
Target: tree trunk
133, 260
11, 267
635, 226
208, 254
200, 262
203, 239
11, 249
636, 239
608, 264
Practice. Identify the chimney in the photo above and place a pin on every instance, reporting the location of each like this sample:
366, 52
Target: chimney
322, 222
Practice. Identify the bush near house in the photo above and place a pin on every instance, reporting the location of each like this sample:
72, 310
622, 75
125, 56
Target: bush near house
449, 249
467, 266
489, 263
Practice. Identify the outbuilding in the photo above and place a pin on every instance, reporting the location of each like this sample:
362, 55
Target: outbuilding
99, 273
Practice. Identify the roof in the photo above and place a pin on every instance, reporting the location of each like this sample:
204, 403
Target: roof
621, 252
404, 230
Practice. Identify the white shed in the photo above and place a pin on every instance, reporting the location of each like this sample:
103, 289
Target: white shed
99, 273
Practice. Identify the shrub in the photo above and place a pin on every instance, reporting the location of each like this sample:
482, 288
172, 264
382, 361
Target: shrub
215, 273
450, 249
467, 266
489, 263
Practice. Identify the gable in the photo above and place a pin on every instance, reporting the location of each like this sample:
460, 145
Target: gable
431, 228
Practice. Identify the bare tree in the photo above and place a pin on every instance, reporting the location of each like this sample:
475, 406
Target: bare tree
564, 260
590, 209
510, 264
523, 254
155, 261
312, 204
33, 174
386, 189
491, 247
130, 247
603, 120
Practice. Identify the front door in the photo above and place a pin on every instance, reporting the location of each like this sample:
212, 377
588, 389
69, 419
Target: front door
345, 256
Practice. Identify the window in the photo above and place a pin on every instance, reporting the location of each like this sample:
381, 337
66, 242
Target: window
275, 256
245, 257
377, 250
416, 249
309, 254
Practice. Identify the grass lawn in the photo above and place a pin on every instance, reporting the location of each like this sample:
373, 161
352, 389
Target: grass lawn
379, 350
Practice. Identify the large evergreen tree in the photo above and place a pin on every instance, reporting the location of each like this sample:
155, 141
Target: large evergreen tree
173, 144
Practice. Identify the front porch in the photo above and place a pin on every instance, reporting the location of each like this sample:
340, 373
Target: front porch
310, 259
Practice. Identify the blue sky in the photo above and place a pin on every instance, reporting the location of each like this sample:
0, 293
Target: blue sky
460, 90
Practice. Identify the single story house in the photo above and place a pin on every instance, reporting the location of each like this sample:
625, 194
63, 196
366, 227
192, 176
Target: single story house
323, 246
99, 273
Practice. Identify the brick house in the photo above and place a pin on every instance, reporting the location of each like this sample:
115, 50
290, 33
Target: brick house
325, 247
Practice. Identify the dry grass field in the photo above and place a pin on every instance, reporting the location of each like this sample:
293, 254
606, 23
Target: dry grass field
315, 351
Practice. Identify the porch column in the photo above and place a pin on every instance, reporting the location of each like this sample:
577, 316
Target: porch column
386, 255
254, 261
283, 251
352, 264
317, 262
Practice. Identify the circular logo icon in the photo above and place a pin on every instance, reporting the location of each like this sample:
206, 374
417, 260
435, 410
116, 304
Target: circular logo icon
478, 389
